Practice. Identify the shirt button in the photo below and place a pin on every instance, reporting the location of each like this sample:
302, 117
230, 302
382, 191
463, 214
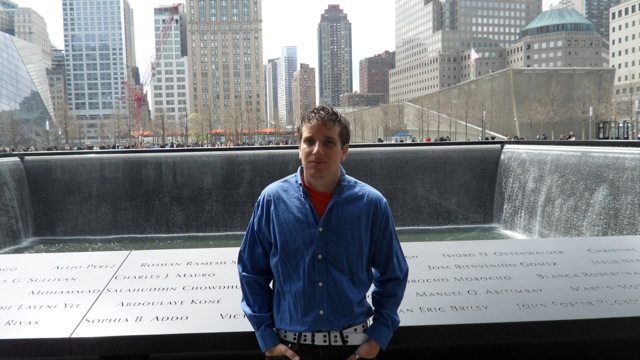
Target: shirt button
321, 312
320, 229
320, 257
320, 283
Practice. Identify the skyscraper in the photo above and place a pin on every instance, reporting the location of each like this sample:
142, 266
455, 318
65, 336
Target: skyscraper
286, 67
58, 89
169, 89
334, 56
271, 91
225, 62
434, 38
304, 90
96, 55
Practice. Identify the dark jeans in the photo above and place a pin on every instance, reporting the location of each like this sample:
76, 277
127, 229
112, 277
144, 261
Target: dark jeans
318, 352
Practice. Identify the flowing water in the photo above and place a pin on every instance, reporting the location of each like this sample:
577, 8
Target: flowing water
152, 242
547, 192
15, 216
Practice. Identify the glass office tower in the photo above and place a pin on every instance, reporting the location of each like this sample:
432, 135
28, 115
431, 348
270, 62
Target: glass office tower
97, 41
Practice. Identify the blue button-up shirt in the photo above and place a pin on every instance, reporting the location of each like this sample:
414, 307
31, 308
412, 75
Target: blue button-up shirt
302, 273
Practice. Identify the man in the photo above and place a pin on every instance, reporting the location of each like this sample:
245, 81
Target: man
316, 242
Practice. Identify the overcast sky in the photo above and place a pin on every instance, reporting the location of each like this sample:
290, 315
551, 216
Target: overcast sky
285, 23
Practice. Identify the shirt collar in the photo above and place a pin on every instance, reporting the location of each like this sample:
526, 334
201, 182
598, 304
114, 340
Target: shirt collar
341, 183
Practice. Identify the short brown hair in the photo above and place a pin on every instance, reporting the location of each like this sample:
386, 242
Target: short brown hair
330, 118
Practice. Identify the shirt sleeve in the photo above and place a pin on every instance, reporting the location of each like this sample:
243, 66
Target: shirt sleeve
255, 279
390, 272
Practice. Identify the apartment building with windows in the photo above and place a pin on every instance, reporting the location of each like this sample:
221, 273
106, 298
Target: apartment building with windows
374, 74
625, 48
226, 74
335, 74
304, 90
170, 87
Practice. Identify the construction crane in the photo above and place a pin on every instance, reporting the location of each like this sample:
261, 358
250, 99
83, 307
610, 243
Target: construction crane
138, 95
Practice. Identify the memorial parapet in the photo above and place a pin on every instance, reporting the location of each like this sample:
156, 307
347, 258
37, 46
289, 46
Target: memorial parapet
141, 302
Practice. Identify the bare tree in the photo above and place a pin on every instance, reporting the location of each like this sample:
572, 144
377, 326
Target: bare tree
195, 122
450, 115
585, 98
65, 123
208, 120
353, 120
553, 101
423, 117
160, 124
10, 129
528, 116
384, 120
606, 110
465, 113
438, 109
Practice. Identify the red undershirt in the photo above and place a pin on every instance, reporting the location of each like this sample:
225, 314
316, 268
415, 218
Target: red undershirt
319, 199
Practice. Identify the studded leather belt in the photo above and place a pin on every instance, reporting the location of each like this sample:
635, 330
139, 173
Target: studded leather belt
353, 335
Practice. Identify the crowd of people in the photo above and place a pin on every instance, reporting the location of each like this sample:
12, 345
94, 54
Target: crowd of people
141, 145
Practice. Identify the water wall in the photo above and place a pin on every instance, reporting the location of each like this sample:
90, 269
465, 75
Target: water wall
573, 191
540, 191
15, 219
175, 192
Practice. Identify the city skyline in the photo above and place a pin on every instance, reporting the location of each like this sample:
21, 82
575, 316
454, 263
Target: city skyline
300, 29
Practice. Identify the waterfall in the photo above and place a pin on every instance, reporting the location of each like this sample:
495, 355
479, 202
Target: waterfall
554, 191
16, 218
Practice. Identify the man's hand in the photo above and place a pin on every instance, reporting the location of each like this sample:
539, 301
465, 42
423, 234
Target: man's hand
282, 350
368, 350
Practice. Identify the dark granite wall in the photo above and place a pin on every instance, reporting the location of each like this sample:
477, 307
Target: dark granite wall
109, 193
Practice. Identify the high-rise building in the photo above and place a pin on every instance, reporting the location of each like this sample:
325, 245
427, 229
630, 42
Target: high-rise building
225, 62
271, 92
130, 43
597, 11
7, 16
57, 86
624, 50
169, 88
30, 26
374, 74
435, 38
287, 65
304, 90
96, 53
335, 73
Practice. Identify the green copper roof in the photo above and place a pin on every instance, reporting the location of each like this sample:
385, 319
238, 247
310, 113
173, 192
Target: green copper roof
557, 17
555, 20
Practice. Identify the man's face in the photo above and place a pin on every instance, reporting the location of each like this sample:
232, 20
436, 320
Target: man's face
321, 154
